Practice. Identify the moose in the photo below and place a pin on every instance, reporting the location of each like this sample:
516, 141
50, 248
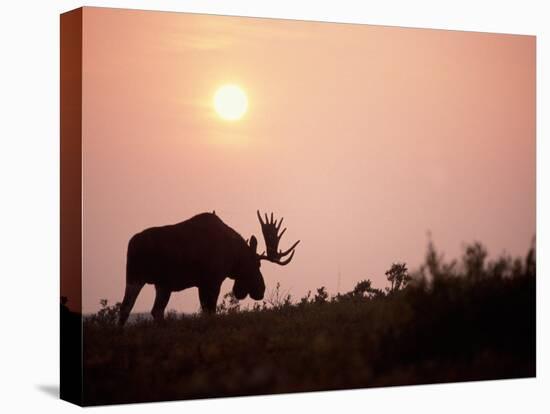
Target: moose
199, 252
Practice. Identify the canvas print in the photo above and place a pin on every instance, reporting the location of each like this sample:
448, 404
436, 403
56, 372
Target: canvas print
261, 206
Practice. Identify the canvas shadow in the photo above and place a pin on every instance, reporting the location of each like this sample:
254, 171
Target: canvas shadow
49, 389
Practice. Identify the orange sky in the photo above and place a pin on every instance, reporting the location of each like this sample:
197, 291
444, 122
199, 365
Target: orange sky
363, 137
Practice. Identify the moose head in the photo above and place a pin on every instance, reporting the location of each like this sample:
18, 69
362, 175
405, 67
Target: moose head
250, 280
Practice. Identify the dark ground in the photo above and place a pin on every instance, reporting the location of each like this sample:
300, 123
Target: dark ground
477, 324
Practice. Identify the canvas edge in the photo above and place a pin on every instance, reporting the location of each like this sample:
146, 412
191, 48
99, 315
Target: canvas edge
71, 25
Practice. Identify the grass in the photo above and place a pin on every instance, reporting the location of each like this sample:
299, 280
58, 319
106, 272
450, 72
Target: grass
462, 321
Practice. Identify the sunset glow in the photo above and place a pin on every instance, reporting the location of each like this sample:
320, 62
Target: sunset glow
230, 102
364, 145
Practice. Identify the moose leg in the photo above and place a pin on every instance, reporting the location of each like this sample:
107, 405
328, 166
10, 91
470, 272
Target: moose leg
130, 295
208, 295
161, 300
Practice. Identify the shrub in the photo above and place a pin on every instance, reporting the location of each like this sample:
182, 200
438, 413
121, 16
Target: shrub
107, 315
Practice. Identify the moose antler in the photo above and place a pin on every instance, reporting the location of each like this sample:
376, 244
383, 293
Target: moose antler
270, 230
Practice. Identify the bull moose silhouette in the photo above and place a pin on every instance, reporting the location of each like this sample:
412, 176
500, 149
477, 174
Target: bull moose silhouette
199, 252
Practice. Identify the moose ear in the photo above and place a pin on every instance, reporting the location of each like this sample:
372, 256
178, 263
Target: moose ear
253, 243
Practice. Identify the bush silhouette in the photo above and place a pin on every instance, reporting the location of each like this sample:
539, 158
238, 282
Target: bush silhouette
398, 276
107, 315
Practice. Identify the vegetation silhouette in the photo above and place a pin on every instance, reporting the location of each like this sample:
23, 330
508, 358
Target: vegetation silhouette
199, 252
464, 320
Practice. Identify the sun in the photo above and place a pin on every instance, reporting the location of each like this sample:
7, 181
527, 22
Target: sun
230, 102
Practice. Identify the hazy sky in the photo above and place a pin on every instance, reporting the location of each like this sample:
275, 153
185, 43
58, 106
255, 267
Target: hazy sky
363, 137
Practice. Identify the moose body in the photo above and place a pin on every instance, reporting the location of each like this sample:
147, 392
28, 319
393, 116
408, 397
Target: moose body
199, 252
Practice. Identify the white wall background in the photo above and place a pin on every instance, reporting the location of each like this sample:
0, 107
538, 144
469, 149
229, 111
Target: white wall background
29, 193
